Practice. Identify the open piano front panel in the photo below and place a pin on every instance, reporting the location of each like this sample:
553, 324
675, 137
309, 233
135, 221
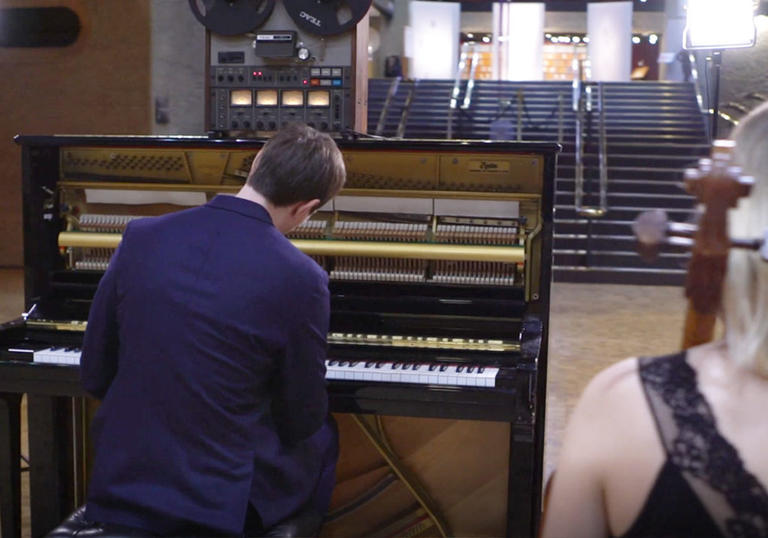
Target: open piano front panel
439, 258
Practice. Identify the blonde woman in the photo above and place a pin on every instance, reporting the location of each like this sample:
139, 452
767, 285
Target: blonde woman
677, 446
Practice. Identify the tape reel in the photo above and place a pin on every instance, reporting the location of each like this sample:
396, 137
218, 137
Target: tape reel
320, 17
327, 17
231, 17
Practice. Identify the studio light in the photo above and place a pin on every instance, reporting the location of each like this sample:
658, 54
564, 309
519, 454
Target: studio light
719, 24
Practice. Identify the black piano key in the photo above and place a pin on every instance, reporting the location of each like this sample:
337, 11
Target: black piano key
352, 364
459, 369
379, 364
332, 362
342, 363
395, 365
369, 364
443, 367
480, 369
432, 367
470, 369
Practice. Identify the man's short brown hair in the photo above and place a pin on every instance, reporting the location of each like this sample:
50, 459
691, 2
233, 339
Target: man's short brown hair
296, 165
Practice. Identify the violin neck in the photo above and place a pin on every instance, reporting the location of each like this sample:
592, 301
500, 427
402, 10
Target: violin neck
699, 327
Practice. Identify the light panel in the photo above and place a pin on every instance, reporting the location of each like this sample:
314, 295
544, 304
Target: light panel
719, 24
266, 98
293, 98
241, 98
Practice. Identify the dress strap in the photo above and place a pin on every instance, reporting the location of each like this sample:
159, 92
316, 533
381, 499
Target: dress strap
735, 499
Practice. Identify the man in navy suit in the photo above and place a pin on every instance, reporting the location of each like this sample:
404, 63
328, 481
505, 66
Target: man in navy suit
206, 344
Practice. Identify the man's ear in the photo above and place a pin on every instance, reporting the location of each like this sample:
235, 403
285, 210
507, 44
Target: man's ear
302, 210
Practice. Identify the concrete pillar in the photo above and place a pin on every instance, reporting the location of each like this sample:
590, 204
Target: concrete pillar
670, 67
518, 34
609, 25
434, 27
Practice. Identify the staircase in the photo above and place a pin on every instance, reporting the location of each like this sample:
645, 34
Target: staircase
654, 130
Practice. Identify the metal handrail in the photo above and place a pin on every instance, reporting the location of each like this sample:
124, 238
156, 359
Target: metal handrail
406, 110
603, 157
584, 105
703, 108
700, 87
456, 89
391, 91
471, 82
727, 117
756, 95
736, 106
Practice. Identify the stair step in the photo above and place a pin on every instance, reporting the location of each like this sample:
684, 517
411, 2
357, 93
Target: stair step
626, 186
644, 201
607, 243
627, 214
627, 172
619, 275
628, 259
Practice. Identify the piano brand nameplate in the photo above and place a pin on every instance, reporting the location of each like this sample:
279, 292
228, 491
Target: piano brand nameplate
518, 173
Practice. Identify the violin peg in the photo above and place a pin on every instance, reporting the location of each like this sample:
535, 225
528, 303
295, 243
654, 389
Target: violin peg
723, 149
650, 229
746, 183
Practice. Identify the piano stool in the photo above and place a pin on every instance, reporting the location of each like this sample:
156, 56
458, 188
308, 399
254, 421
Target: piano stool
305, 523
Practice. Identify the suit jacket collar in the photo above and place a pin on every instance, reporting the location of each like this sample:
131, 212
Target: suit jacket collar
242, 206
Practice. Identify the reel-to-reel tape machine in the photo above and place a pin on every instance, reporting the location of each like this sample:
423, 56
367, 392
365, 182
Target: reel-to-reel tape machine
271, 62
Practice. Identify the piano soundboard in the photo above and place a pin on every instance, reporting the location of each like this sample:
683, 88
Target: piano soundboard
438, 255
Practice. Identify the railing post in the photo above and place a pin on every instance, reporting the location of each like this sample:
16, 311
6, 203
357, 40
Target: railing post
520, 105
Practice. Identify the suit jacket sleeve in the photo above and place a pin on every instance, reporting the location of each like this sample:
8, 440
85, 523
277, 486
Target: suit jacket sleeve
300, 404
98, 362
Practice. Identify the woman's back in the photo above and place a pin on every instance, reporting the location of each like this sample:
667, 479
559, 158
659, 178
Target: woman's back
615, 476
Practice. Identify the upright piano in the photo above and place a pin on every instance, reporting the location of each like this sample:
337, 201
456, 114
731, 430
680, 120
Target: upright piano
439, 257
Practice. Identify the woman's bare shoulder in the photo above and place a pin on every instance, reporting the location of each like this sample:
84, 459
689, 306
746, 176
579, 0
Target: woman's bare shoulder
612, 384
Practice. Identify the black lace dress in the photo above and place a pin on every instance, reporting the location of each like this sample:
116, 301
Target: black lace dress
703, 488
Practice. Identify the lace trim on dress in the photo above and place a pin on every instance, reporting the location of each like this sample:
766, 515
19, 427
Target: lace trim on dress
737, 501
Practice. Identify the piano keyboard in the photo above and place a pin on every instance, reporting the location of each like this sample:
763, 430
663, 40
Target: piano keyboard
405, 372
372, 371
53, 355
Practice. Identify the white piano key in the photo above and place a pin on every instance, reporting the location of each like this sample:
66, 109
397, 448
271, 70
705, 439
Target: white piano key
57, 355
412, 373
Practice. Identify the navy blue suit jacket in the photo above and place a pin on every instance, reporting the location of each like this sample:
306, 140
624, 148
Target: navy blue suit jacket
206, 343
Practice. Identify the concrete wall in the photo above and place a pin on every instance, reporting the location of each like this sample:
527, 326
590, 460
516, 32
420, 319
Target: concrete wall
178, 68
746, 70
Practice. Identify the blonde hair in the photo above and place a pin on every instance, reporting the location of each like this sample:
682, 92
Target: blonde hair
745, 298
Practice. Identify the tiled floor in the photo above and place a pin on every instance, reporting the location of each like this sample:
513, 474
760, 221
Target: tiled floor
591, 326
